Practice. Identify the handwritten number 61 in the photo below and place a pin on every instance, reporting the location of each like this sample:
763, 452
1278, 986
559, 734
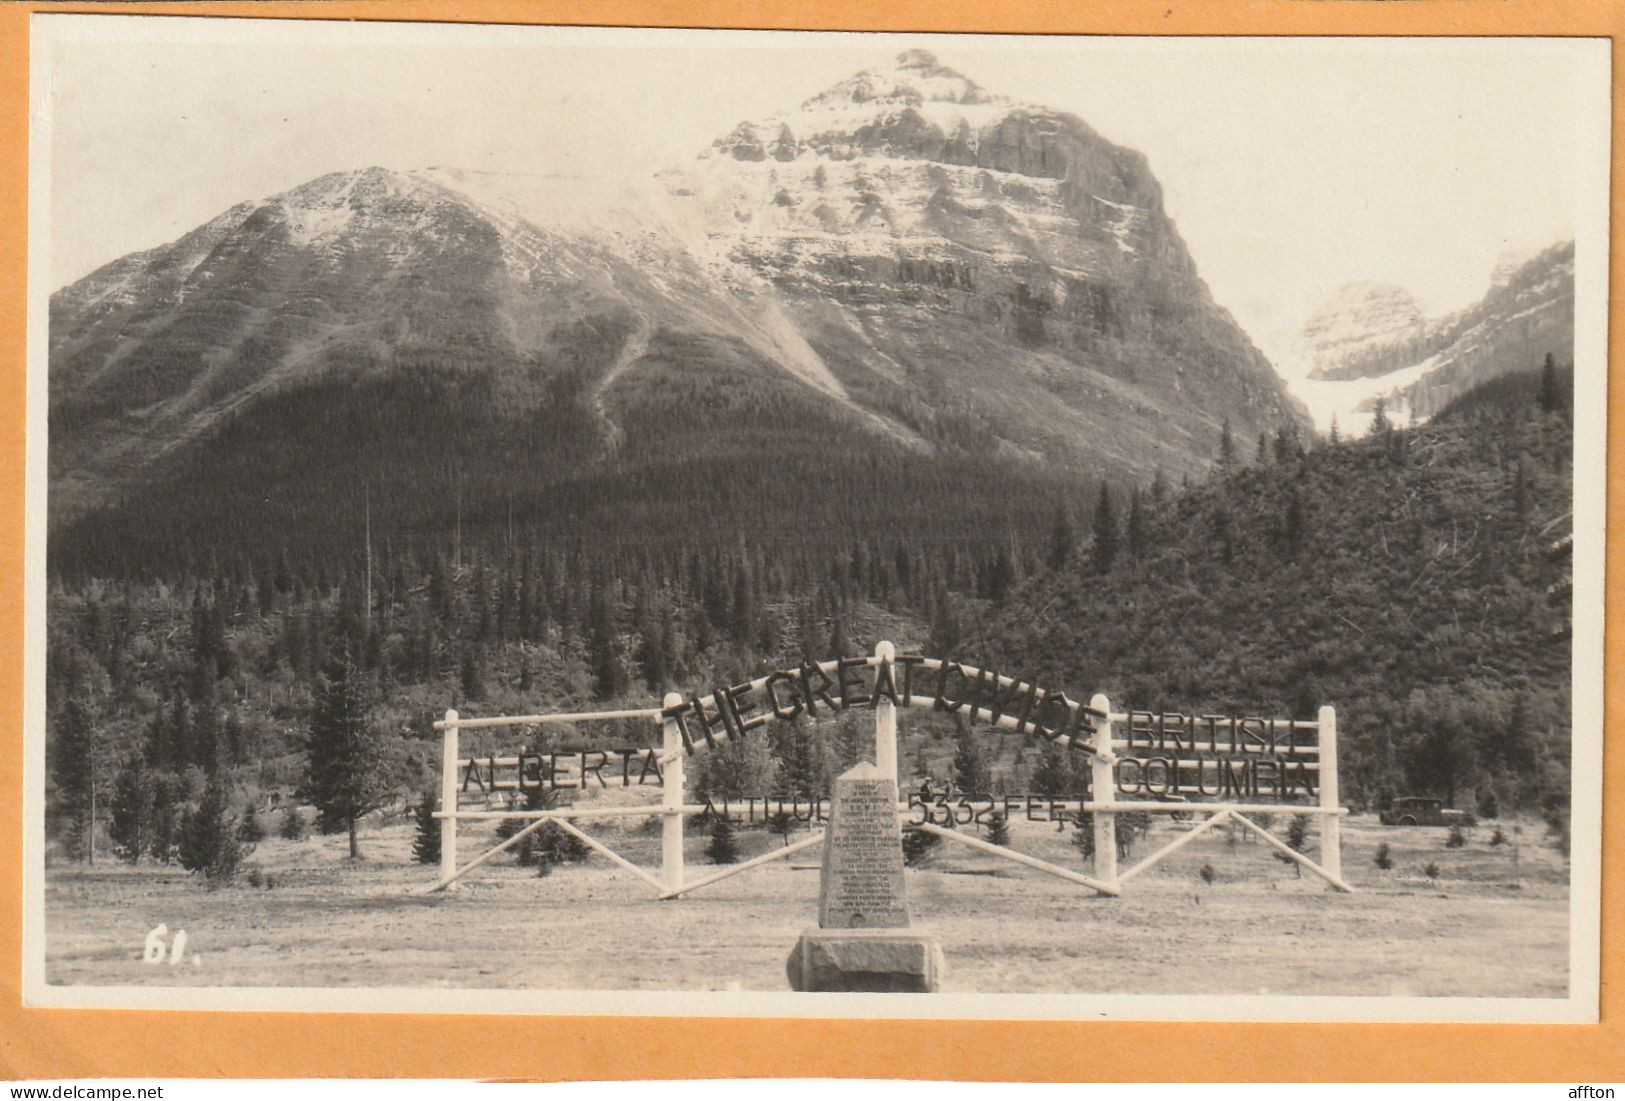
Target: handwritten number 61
153, 952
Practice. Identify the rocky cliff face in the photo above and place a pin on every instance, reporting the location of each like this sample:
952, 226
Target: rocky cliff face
1002, 249
936, 269
1527, 315
1366, 329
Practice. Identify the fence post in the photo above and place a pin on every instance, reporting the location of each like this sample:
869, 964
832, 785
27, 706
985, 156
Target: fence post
1331, 825
671, 785
886, 721
1103, 789
448, 798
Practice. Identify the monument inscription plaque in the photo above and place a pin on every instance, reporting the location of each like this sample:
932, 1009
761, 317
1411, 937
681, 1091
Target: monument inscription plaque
862, 881
864, 941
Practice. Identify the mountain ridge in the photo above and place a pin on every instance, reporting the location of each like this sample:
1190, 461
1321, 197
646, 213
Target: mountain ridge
1011, 289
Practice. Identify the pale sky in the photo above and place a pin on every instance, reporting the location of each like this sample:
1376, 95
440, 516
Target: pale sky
1292, 166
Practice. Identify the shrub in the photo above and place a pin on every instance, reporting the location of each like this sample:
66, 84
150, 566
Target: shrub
723, 848
1384, 858
782, 824
293, 825
254, 876
1498, 838
998, 830
1208, 874
525, 851
1131, 826
1297, 836
1083, 835
1456, 839
919, 846
556, 845
1489, 806
1431, 871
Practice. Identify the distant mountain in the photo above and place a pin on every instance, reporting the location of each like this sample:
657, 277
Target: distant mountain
1375, 339
1366, 329
905, 283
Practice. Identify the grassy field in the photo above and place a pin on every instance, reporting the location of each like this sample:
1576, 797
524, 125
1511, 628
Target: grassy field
1256, 928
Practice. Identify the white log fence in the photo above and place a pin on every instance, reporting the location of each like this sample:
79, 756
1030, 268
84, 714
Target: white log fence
671, 880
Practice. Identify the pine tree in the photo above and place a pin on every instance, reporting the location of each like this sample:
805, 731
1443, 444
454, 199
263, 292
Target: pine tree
1548, 385
167, 794
1105, 531
838, 645
970, 769
608, 674
744, 613
809, 639
1056, 775
1227, 446
1136, 531
1001, 575
723, 848
946, 633
1287, 444
77, 760
426, 834
848, 743
209, 841
1297, 837
131, 825
293, 825
1335, 436
998, 830
1380, 424
1159, 487
738, 769
250, 829
803, 766
344, 768
1293, 524
653, 639
1061, 538
556, 845
470, 677
536, 798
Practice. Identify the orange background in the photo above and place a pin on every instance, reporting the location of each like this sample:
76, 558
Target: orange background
83, 1043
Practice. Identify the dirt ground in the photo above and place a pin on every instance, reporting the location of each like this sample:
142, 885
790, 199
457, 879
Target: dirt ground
1256, 928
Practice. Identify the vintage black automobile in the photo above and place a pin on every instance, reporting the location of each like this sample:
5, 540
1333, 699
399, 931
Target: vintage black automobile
1424, 810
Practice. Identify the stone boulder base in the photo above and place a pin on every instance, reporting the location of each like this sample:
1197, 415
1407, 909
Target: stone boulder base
866, 960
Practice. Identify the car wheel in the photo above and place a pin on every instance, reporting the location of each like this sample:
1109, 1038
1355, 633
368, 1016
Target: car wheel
1407, 821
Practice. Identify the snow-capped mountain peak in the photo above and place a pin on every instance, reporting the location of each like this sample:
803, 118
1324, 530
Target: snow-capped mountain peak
905, 254
917, 78
915, 97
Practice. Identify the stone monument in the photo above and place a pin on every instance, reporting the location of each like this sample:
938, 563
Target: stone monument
864, 941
